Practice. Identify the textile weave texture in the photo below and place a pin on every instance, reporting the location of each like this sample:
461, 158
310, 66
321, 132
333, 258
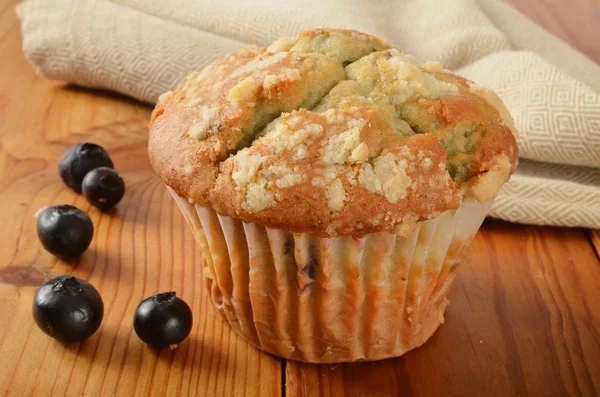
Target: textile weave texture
142, 48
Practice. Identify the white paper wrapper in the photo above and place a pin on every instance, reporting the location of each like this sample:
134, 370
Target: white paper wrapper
338, 299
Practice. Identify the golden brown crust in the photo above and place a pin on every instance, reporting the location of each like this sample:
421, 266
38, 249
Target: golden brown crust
309, 205
342, 44
214, 112
388, 142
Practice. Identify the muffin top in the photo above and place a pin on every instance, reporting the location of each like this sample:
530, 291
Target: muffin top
332, 133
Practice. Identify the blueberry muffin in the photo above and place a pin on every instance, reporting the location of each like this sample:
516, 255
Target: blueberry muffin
333, 184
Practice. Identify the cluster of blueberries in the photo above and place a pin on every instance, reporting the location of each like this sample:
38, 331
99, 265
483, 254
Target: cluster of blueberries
70, 309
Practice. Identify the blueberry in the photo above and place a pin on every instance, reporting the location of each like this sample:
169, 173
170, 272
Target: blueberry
103, 187
80, 159
65, 231
163, 320
68, 309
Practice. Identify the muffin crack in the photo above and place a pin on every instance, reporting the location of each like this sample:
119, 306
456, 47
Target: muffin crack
331, 132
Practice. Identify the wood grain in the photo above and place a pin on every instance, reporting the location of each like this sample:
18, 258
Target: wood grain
576, 22
141, 248
523, 318
522, 321
595, 239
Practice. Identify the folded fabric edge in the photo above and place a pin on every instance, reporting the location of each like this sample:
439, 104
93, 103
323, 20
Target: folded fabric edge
525, 34
542, 201
21, 9
178, 22
557, 173
46, 53
534, 212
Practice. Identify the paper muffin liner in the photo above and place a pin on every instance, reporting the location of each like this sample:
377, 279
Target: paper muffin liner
338, 299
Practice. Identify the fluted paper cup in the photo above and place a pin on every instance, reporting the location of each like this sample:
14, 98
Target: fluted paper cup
338, 299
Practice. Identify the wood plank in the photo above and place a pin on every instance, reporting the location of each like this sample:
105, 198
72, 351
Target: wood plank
522, 321
141, 248
595, 239
575, 22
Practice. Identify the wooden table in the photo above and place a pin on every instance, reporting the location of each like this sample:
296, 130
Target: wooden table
524, 318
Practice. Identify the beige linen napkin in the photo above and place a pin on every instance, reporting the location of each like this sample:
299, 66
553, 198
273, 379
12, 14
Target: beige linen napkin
142, 48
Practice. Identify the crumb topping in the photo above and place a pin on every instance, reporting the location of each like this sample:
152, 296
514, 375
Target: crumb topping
331, 132
243, 91
399, 76
387, 176
207, 118
340, 147
336, 195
